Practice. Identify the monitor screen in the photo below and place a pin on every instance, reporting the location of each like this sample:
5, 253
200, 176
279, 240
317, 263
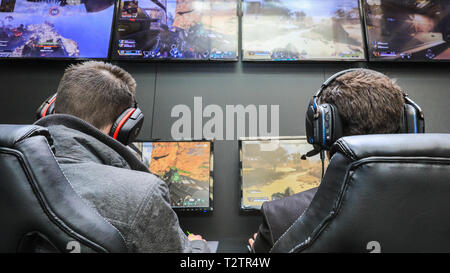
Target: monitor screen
273, 169
293, 30
55, 29
177, 30
408, 30
187, 169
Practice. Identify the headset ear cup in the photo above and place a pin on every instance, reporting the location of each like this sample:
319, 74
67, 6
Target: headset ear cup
46, 108
421, 122
329, 126
336, 125
134, 125
127, 126
40, 111
413, 122
309, 123
413, 118
326, 125
51, 109
120, 120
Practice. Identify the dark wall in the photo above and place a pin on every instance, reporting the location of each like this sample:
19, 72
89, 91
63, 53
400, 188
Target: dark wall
161, 86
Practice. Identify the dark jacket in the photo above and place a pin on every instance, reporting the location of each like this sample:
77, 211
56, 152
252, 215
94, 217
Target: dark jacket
109, 178
278, 216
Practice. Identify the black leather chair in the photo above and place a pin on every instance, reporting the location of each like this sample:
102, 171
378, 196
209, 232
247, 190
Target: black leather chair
380, 193
39, 210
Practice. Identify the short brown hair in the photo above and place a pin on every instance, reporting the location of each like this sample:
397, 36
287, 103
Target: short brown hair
368, 102
96, 92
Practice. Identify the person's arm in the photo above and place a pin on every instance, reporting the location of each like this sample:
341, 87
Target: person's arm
278, 216
156, 227
263, 241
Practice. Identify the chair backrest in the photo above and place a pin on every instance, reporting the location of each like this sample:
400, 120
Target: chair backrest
380, 193
39, 210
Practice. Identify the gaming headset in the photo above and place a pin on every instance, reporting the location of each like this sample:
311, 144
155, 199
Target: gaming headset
125, 129
324, 125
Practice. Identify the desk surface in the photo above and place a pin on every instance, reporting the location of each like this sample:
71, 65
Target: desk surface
233, 245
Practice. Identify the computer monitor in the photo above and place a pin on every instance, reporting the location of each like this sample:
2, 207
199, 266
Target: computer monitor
186, 167
408, 30
296, 30
56, 29
272, 169
177, 30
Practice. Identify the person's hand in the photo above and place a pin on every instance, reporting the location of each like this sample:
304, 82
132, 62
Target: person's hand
251, 241
193, 237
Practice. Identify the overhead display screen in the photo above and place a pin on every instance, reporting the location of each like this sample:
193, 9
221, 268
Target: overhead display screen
274, 169
55, 29
187, 169
295, 30
177, 30
408, 30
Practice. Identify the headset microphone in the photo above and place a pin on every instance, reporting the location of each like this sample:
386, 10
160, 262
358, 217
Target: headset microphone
310, 154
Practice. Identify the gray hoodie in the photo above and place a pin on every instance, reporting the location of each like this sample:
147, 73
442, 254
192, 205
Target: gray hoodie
109, 178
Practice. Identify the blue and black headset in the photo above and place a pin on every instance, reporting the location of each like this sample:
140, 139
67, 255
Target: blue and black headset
324, 125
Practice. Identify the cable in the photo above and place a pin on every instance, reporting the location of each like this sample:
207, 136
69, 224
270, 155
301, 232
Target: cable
322, 158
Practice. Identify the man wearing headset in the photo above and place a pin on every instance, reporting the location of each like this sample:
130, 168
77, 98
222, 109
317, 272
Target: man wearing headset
352, 102
94, 100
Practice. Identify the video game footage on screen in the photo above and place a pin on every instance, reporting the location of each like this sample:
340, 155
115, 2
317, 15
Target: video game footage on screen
177, 30
408, 30
55, 29
272, 169
187, 169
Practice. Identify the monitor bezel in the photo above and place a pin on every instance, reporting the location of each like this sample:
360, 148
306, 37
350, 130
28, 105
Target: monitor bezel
75, 59
241, 157
115, 57
373, 59
209, 208
324, 60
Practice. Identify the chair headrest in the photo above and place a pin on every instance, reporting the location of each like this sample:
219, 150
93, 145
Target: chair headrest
11, 134
401, 145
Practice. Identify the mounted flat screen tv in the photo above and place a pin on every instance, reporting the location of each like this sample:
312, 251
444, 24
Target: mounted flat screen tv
302, 30
186, 167
272, 169
408, 30
56, 29
177, 30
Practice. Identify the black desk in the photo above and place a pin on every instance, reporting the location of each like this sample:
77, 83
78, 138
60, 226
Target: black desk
233, 245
